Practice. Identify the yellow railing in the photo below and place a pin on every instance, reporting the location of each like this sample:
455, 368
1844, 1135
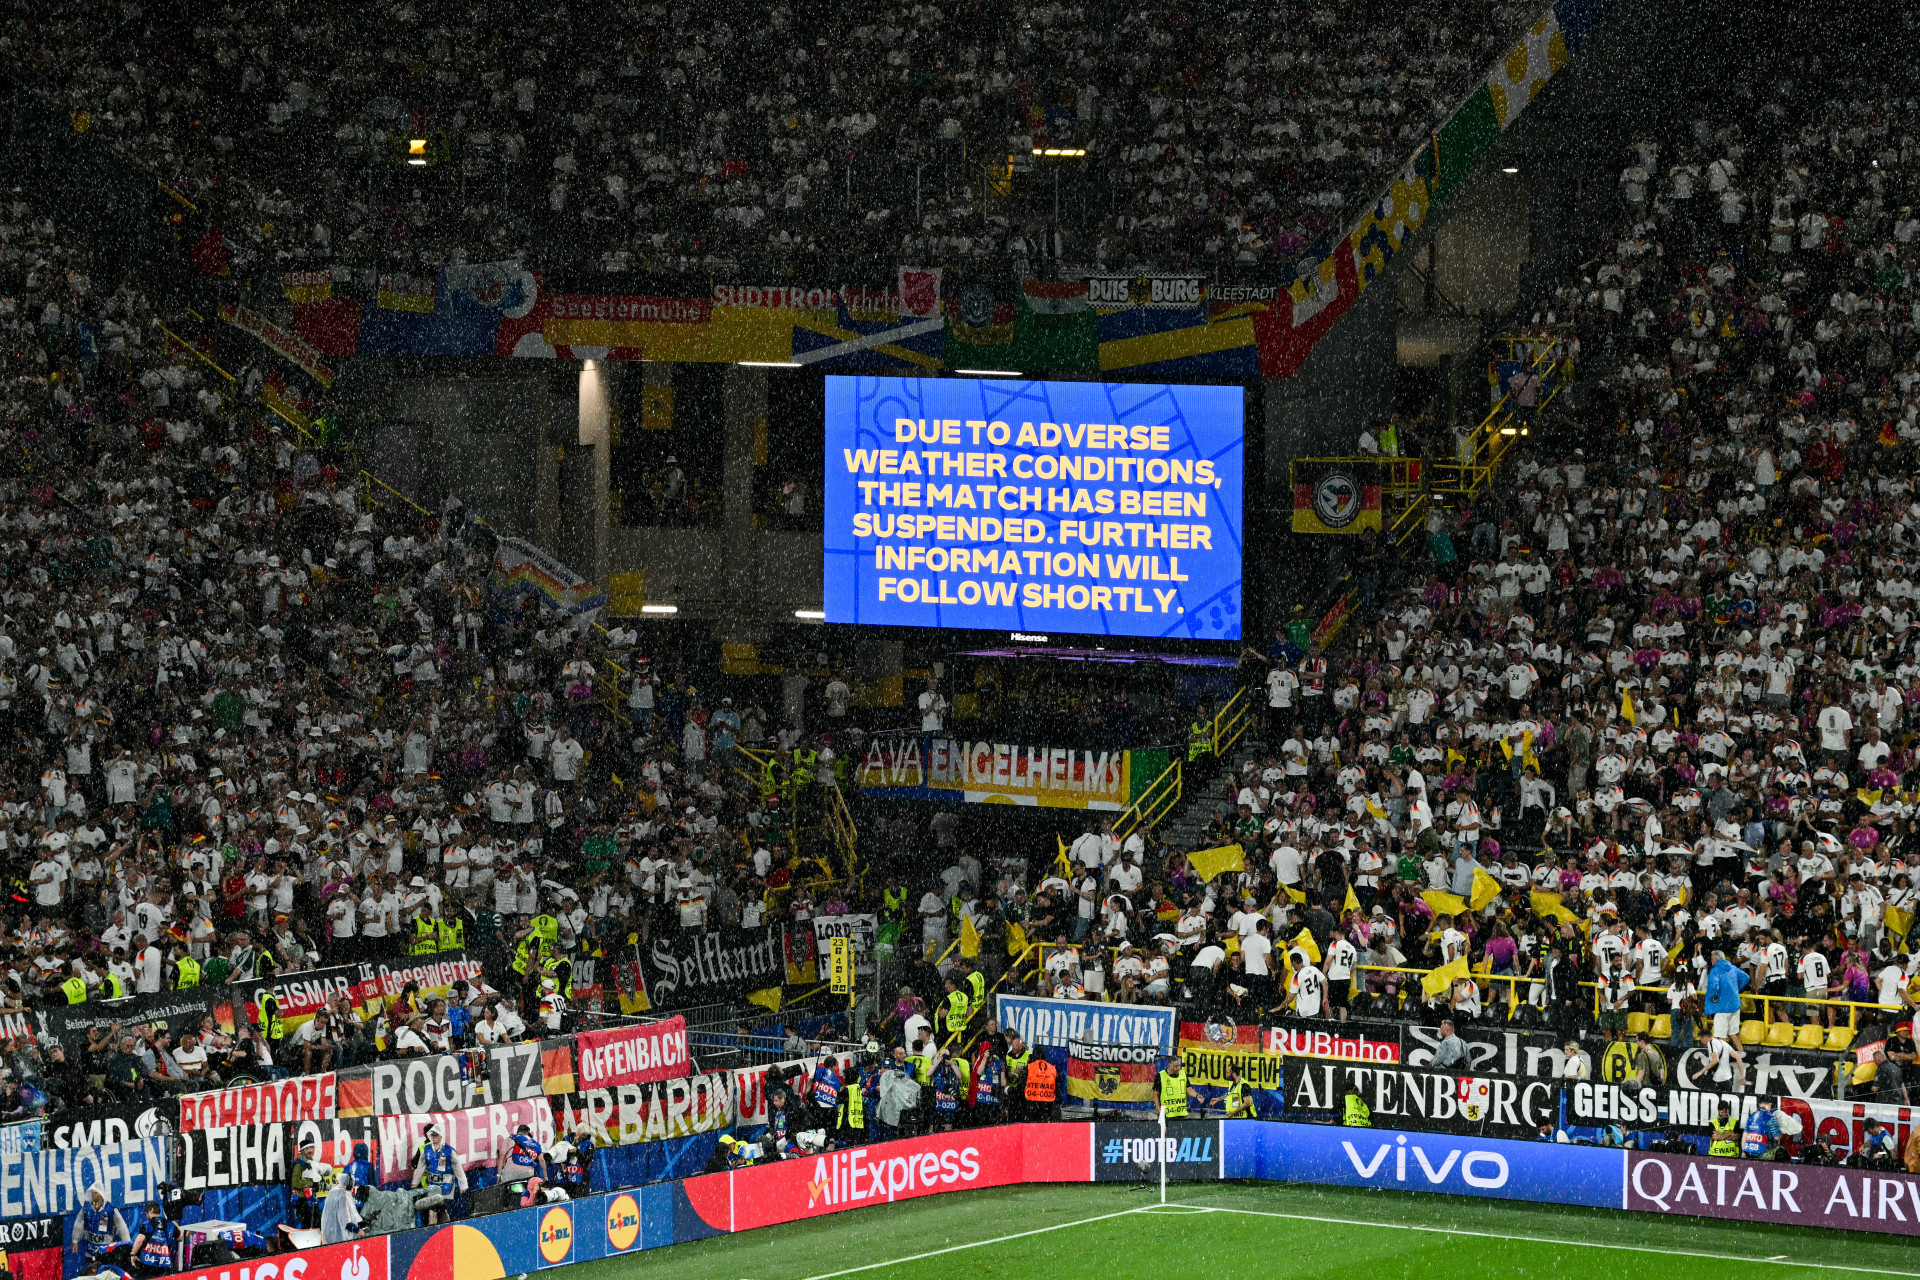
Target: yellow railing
1150, 805
1231, 721
369, 481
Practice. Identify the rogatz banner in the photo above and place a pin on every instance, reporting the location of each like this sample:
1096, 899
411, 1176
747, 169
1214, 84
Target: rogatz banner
297, 1098
632, 1055
254, 1154
35, 1183
104, 1126
1440, 1101
457, 1081
678, 970
178, 1011
478, 1135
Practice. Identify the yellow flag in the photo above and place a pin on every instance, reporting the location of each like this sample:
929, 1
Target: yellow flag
1374, 810
1626, 706
1443, 903
1352, 903
1296, 894
1208, 863
1016, 939
770, 997
1485, 889
1898, 921
1437, 982
969, 937
1548, 905
1304, 941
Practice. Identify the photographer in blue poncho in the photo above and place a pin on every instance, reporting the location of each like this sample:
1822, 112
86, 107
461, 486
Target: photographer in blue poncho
99, 1232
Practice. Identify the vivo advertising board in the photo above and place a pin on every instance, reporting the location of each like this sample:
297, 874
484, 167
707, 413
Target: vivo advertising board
1004, 504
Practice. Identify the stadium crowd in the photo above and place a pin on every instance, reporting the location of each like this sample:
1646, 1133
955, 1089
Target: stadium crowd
558, 142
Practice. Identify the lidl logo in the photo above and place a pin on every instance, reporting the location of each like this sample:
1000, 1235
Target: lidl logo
623, 1223
556, 1235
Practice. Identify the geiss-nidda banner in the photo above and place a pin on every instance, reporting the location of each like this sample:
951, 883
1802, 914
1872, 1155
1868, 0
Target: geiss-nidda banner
1004, 504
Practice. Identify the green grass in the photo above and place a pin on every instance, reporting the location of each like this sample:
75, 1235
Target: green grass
1107, 1231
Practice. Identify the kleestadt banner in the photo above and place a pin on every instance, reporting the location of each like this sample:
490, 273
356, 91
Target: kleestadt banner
633, 1055
905, 1170
277, 1102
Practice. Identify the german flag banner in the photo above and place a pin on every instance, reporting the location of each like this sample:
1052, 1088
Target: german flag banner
1110, 1075
1336, 496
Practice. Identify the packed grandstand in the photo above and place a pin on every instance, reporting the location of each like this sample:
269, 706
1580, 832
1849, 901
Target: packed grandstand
358, 883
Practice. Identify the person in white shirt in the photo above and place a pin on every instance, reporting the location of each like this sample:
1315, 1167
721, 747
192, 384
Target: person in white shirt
1340, 961
1308, 988
933, 709
1836, 728
564, 754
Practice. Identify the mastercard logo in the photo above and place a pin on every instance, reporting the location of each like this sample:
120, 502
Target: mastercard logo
623, 1223
556, 1235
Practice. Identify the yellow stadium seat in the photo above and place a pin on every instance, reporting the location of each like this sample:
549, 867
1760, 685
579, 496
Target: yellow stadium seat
1753, 1031
1662, 1028
1779, 1035
1865, 1072
1811, 1036
1637, 1023
1838, 1038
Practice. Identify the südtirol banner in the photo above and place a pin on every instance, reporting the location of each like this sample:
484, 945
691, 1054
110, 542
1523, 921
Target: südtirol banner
633, 1055
923, 767
1085, 507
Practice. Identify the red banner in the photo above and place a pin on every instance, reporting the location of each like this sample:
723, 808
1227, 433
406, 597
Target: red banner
298, 1098
905, 1170
633, 1055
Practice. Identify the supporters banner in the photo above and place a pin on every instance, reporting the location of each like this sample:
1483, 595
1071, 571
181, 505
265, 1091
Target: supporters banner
631, 1113
811, 1187
521, 569
1692, 1111
34, 1248
1112, 1074
751, 1084
1054, 1024
1211, 1049
680, 970
55, 1181
399, 291
1541, 1054
30, 1135
633, 1055
1433, 1101
102, 1126
1358, 1044
1336, 497
921, 767
802, 954
307, 286
302, 354
1191, 1150
864, 930
479, 1136
1182, 292
1754, 1191
257, 1154
295, 1098
414, 1086
920, 293
375, 985
178, 1011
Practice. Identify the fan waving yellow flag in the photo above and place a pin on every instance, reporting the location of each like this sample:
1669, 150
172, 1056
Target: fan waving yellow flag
1626, 706
1549, 906
1485, 889
1437, 982
969, 937
1352, 903
1304, 941
1898, 921
1443, 903
1208, 863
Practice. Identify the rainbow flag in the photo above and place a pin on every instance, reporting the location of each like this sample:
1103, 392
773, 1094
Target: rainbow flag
521, 568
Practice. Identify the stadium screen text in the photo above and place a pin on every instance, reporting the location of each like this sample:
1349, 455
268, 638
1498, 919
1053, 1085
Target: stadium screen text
1003, 504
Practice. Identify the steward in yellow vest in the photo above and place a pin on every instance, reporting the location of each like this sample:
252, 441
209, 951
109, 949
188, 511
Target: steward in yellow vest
1174, 1089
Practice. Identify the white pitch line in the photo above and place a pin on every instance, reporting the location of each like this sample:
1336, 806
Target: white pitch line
1780, 1260
979, 1244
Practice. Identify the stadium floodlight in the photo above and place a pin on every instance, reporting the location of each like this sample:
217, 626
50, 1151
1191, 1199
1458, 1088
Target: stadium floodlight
811, 615
1512, 168
991, 373
769, 364
1060, 151
416, 150
659, 608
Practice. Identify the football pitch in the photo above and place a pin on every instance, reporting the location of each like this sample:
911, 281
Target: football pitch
1103, 1232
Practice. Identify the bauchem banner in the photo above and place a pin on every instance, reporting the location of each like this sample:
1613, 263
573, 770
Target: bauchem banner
916, 767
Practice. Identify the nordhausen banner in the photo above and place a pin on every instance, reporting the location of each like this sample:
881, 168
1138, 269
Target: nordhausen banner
1053, 1024
296, 1098
632, 1055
